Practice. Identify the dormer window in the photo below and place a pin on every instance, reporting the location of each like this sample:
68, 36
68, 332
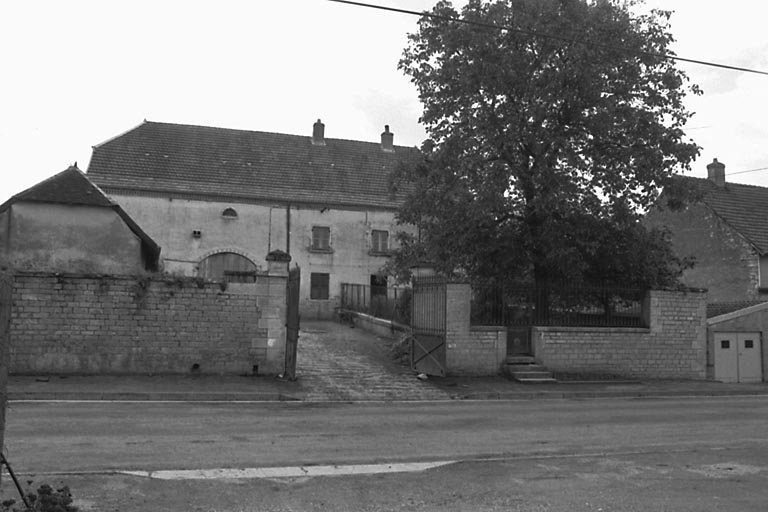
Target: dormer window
229, 213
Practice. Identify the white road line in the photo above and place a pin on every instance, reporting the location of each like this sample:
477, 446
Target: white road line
288, 471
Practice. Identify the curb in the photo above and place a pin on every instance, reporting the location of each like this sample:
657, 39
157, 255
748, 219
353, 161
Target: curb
151, 397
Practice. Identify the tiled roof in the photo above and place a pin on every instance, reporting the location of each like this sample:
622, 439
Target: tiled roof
743, 207
721, 308
218, 162
67, 187
72, 187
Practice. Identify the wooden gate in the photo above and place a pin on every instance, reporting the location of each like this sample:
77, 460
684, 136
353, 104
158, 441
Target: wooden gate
292, 321
428, 325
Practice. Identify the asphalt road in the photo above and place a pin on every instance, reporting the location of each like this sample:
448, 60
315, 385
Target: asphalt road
701, 454
65, 437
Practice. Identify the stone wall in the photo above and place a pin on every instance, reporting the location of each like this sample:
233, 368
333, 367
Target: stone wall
76, 324
673, 347
470, 350
725, 262
263, 227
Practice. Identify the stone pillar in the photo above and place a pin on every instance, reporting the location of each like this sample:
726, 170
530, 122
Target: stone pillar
423, 269
277, 263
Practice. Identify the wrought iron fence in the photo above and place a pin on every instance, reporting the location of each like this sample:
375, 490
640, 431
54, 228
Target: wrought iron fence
385, 302
576, 306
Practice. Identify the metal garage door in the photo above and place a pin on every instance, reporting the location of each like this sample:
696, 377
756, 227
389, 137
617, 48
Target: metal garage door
738, 357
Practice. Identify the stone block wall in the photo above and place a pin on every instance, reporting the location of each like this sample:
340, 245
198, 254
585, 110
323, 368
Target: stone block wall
470, 350
674, 346
91, 324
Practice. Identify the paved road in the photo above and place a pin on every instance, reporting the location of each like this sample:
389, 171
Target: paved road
686, 455
52, 437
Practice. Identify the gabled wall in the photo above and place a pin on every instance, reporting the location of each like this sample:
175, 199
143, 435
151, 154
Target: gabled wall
726, 264
64, 238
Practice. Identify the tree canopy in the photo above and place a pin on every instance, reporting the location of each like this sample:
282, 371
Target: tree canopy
546, 141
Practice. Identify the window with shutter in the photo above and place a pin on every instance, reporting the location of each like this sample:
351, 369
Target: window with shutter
321, 238
379, 241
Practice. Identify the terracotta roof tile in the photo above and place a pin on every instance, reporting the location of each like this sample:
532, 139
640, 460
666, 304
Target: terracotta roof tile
162, 157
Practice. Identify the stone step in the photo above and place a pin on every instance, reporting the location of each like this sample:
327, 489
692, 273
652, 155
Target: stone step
521, 360
549, 380
526, 368
532, 375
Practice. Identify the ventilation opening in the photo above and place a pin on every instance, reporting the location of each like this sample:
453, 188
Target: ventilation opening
195, 368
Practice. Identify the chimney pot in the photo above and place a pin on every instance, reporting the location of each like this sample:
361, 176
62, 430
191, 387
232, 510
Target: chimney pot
716, 173
318, 133
387, 140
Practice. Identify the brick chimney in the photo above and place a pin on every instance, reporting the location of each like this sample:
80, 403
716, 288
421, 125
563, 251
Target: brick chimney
387, 140
318, 133
716, 173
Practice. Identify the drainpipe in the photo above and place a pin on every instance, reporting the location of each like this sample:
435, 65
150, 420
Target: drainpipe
288, 229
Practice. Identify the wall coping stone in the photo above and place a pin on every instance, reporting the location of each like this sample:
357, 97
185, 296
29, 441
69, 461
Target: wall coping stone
609, 330
487, 328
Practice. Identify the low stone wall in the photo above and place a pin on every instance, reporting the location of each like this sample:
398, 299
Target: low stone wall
673, 347
377, 326
81, 324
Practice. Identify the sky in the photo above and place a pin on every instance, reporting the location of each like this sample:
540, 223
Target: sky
77, 73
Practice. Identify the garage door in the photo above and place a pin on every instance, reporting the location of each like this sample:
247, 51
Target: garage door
738, 357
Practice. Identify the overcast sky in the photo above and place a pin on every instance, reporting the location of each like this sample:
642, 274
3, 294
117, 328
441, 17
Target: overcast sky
77, 73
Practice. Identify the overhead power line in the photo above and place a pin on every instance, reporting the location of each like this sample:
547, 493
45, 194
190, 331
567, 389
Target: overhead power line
548, 36
750, 170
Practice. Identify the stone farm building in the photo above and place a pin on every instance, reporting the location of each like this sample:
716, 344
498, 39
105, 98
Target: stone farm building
218, 200
67, 224
725, 232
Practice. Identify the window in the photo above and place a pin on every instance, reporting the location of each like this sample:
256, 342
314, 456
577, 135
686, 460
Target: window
321, 238
229, 213
764, 272
318, 286
379, 241
378, 286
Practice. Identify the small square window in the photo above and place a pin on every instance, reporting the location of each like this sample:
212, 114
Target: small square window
749, 344
321, 238
379, 241
726, 344
318, 286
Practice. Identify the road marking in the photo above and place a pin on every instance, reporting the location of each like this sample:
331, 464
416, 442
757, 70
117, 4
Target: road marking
288, 471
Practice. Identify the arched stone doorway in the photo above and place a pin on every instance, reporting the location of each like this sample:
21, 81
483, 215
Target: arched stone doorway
231, 266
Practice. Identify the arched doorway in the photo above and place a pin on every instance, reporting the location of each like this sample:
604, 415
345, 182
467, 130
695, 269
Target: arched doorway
231, 266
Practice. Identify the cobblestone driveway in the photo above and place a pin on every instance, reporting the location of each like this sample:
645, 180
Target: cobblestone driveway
336, 362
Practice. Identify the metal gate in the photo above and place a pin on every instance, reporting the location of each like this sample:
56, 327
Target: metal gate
428, 311
292, 320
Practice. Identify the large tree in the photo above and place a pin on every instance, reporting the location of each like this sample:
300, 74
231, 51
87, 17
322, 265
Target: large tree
552, 124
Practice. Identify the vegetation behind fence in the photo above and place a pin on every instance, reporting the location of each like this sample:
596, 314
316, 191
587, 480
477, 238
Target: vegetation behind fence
379, 301
586, 306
